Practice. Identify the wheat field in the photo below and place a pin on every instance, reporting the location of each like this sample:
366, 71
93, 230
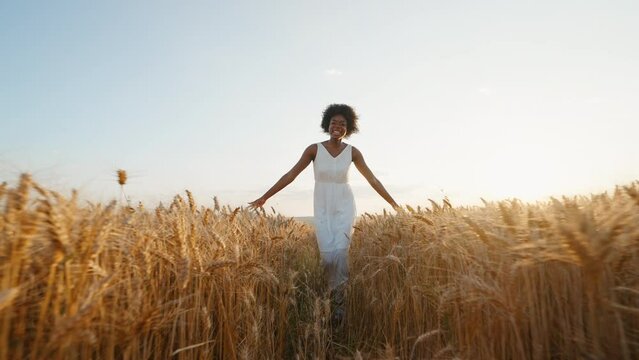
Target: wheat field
507, 280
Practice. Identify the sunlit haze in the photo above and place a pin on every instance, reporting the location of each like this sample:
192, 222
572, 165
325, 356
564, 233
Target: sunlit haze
464, 99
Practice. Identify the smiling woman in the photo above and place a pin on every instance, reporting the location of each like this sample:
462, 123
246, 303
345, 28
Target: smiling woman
337, 114
333, 203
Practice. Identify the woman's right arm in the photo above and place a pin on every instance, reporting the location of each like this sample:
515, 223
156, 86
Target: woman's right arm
307, 156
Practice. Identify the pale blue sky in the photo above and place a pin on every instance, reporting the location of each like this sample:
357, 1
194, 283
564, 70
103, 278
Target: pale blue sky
463, 99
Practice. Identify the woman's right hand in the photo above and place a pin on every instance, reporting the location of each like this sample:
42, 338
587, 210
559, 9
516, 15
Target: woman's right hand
398, 209
257, 203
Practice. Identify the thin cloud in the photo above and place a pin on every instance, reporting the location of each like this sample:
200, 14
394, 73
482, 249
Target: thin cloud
333, 72
486, 91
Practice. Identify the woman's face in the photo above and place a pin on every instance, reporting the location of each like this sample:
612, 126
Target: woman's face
337, 127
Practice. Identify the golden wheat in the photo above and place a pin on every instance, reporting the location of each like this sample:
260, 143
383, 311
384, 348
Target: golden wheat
121, 174
507, 280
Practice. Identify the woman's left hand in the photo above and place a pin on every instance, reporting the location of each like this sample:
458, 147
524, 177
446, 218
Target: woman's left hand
257, 203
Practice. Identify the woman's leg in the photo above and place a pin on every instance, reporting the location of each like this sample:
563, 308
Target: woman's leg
336, 271
335, 265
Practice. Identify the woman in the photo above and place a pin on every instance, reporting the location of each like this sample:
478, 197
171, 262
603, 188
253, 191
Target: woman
334, 207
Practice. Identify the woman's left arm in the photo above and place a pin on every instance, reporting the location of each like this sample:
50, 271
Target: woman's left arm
358, 160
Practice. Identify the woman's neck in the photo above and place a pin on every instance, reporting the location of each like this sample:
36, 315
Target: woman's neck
335, 142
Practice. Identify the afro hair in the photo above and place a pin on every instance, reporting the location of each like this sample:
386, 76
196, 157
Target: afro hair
341, 109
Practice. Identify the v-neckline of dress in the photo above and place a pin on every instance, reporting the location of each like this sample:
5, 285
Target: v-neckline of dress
329, 153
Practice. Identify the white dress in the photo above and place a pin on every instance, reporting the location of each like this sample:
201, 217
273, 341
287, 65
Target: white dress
334, 211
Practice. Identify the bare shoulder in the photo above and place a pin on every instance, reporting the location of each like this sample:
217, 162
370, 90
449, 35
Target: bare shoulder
311, 151
356, 153
312, 148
